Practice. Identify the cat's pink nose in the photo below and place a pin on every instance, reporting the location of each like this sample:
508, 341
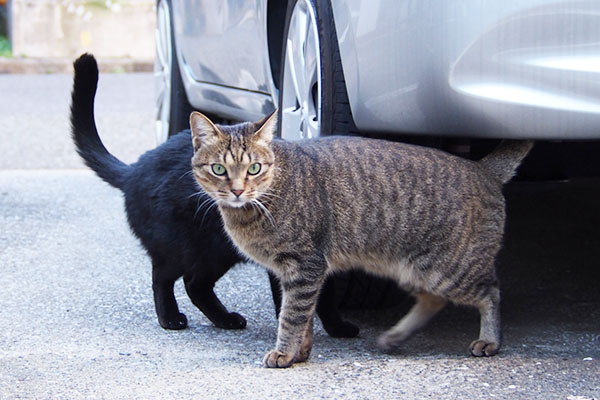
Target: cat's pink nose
237, 193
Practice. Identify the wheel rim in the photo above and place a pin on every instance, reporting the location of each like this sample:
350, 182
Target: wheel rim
162, 71
301, 87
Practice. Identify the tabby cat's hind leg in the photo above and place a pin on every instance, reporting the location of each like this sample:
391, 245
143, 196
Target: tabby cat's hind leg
426, 307
490, 337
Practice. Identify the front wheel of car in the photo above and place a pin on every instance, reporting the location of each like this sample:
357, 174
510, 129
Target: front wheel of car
312, 98
172, 105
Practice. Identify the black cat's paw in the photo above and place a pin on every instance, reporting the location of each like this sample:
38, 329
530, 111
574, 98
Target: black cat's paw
343, 329
232, 320
176, 323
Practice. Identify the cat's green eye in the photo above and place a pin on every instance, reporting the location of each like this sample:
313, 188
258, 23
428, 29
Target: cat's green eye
218, 169
254, 169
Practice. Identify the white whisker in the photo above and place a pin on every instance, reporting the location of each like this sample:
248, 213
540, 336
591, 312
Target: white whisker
206, 212
198, 193
207, 200
186, 173
264, 211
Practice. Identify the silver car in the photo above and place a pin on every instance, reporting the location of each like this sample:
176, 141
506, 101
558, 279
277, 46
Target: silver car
456, 71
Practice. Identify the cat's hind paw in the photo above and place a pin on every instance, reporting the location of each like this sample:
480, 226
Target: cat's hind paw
385, 344
277, 359
231, 320
389, 341
482, 348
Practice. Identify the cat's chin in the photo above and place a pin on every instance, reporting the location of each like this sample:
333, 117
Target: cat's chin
233, 204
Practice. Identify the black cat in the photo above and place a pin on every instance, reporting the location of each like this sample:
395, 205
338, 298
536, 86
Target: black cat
173, 219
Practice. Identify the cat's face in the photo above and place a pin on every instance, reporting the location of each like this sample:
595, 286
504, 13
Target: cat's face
233, 164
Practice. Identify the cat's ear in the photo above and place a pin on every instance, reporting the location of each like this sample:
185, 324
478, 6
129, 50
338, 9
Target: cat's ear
266, 128
203, 130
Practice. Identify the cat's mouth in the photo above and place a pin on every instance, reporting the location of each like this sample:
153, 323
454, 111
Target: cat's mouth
235, 203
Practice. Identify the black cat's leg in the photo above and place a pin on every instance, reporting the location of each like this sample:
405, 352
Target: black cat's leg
300, 294
490, 336
328, 312
200, 289
167, 311
276, 291
426, 307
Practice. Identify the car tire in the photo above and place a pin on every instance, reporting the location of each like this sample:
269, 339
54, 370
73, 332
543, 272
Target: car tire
172, 105
312, 91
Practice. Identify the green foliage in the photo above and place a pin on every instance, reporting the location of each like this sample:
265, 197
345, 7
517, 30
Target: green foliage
5, 50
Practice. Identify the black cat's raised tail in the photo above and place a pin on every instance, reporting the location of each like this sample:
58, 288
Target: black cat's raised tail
83, 125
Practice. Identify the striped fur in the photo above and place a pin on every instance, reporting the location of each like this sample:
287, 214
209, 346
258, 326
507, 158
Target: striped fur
431, 221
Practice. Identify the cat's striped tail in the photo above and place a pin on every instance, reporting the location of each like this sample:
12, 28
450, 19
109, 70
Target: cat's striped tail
83, 125
502, 163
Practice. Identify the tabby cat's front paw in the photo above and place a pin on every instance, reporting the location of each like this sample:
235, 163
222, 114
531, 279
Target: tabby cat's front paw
232, 320
277, 359
481, 348
176, 322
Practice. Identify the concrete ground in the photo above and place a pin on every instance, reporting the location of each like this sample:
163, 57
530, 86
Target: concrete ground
77, 317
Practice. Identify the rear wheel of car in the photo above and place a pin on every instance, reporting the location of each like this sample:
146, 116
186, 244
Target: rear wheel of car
313, 102
172, 106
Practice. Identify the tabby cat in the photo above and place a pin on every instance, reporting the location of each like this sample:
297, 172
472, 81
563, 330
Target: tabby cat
174, 220
430, 221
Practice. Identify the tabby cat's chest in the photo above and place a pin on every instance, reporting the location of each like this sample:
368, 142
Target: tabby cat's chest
248, 233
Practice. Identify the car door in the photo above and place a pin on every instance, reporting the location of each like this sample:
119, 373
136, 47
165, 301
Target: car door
223, 45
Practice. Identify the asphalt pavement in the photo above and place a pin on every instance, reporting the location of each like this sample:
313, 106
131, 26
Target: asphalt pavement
77, 317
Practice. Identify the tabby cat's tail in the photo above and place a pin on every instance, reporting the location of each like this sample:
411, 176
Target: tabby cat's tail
83, 125
502, 163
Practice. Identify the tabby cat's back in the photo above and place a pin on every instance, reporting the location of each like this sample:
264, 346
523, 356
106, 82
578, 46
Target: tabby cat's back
356, 195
